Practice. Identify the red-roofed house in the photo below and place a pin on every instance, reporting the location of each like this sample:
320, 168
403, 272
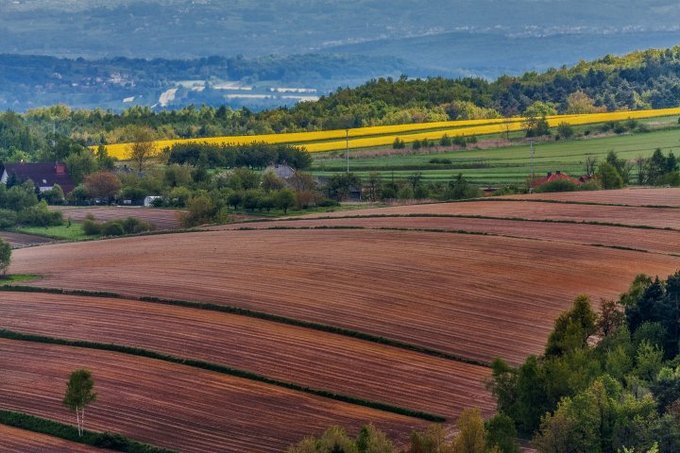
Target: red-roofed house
43, 175
552, 177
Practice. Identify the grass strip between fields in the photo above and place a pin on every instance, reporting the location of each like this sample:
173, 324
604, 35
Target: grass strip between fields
108, 441
13, 335
258, 315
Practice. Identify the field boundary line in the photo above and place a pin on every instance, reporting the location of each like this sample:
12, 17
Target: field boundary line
445, 231
230, 309
222, 369
53, 428
574, 202
463, 216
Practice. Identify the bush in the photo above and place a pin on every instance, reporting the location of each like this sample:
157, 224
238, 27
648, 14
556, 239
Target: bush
328, 203
440, 161
40, 215
133, 225
561, 185
7, 218
113, 228
590, 185
91, 228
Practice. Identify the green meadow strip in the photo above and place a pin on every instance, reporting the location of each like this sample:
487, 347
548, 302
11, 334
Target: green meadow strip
106, 440
12, 335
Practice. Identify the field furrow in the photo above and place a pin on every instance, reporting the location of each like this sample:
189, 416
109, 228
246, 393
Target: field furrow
629, 196
173, 405
316, 359
657, 241
14, 440
451, 292
162, 219
17, 240
498, 208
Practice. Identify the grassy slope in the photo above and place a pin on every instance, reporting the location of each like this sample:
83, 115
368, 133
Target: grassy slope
508, 164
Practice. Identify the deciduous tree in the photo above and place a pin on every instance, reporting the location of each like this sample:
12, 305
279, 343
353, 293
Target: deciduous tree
79, 394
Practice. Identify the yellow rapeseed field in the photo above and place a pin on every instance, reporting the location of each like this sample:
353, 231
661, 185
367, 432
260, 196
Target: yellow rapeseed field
365, 137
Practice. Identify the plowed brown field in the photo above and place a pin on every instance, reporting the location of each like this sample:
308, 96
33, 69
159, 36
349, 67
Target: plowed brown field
162, 219
17, 240
13, 440
624, 215
452, 292
316, 359
658, 241
173, 405
630, 197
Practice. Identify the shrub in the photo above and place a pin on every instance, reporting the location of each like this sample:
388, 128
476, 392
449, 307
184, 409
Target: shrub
133, 225
561, 185
40, 215
7, 218
441, 161
91, 228
328, 203
113, 228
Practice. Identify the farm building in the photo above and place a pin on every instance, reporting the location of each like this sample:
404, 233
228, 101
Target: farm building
44, 175
552, 177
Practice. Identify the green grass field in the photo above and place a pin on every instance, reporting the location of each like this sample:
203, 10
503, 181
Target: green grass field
506, 165
73, 233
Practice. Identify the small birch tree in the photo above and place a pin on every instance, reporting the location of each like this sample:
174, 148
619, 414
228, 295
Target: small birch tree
80, 393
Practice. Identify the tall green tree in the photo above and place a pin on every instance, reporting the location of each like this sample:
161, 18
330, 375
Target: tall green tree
79, 394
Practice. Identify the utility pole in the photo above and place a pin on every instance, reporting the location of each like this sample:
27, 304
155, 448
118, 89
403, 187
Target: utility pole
531, 144
347, 148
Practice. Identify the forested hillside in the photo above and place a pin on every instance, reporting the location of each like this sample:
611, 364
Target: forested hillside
649, 79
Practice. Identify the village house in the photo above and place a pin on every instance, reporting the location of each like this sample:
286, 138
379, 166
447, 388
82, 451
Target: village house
44, 175
552, 177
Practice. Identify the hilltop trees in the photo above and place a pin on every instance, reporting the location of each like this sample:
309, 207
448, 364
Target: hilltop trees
79, 394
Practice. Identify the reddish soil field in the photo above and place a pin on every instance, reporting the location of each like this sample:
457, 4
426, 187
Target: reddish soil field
311, 358
630, 197
658, 241
452, 292
624, 215
172, 405
17, 240
162, 219
13, 440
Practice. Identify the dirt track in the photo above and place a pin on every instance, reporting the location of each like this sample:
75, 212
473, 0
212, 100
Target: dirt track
173, 405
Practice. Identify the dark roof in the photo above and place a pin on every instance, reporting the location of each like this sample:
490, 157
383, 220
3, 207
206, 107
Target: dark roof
42, 174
